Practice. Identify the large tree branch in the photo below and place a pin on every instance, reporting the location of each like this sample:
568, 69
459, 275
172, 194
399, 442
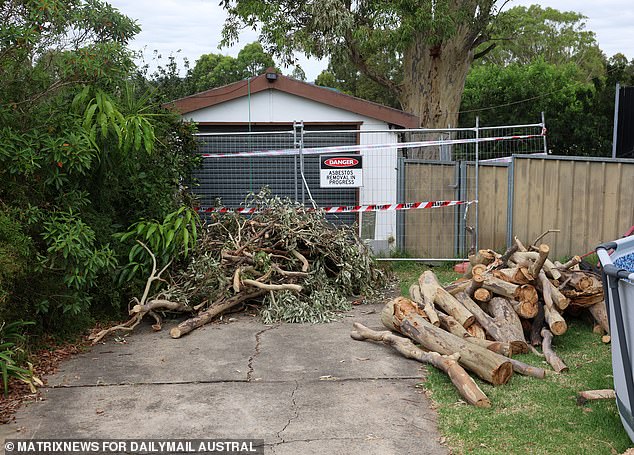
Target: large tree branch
485, 51
360, 61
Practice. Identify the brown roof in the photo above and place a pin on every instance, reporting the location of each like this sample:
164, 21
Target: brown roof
288, 85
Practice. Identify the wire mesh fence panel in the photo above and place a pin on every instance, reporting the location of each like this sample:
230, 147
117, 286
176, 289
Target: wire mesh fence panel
519, 140
228, 181
435, 175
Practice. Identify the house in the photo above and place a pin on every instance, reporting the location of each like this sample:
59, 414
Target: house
260, 114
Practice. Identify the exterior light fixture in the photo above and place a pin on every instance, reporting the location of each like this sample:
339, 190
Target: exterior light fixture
271, 77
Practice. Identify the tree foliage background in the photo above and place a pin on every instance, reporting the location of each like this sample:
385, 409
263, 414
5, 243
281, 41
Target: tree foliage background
85, 150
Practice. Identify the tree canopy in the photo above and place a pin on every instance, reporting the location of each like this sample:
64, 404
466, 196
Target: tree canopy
435, 42
215, 70
525, 34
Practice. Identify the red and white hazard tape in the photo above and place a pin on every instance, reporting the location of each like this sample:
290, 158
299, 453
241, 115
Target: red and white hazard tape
362, 147
349, 208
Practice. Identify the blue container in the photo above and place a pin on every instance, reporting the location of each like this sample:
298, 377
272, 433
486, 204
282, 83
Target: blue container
618, 284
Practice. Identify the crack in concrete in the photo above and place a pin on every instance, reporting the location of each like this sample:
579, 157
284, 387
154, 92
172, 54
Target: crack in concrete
258, 339
227, 381
272, 445
295, 415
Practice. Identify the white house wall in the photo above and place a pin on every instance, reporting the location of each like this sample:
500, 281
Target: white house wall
273, 106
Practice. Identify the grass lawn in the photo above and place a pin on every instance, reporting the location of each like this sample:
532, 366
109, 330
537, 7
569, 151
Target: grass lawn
532, 416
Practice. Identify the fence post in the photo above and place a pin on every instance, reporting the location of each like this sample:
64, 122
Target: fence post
509, 202
544, 132
295, 145
477, 182
400, 198
616, 119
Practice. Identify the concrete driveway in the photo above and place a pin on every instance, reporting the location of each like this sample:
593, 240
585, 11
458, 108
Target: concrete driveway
305, 389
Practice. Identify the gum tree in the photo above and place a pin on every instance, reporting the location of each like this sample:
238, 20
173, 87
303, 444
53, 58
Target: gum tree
435, 41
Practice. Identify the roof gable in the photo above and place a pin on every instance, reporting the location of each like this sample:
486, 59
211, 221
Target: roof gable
312, 92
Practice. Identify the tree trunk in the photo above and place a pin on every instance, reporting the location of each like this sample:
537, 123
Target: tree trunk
495, 331
433, 82
400, 316
451, 325
504, 316
467, 388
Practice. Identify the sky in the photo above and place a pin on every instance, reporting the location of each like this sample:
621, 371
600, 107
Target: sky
190, 28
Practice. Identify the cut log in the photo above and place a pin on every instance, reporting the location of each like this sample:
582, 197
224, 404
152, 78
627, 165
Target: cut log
400, 316
429, 286
206, 316
510, 290
552, 295
479, 269
600, 314
498, 333
555, 321
425, 303
476, 331
527, 370
482, 295
470, 286
536, 267
452, 326
525, 309
582, 281
552, 358
476, 283
507, 255
504, 316
466, 386
515, 275
526, 258
585, 301
485, 257
588, 395
571, 263
460, 285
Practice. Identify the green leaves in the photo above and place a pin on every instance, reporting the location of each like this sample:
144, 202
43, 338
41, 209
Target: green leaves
72, 251
169, 241
11, 339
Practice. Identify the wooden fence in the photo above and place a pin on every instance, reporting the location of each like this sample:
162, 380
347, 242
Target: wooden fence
590, 200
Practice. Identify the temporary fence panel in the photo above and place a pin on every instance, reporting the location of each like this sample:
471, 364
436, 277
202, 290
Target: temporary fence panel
227, 180
436, 175
474, 167
431, 233
590, 200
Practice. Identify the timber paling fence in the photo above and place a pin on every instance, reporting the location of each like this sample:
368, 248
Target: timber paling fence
423, 191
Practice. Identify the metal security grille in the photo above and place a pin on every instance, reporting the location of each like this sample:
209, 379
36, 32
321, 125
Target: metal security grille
228, 181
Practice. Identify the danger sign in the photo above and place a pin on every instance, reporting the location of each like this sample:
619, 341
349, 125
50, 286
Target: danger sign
340, 171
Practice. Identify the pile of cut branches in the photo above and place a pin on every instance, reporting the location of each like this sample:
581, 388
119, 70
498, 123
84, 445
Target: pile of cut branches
291, 261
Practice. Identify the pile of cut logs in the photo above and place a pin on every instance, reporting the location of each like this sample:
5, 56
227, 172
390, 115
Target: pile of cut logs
504, 305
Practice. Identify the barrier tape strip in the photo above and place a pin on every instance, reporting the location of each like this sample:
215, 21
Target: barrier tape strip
355, 148
349, 208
